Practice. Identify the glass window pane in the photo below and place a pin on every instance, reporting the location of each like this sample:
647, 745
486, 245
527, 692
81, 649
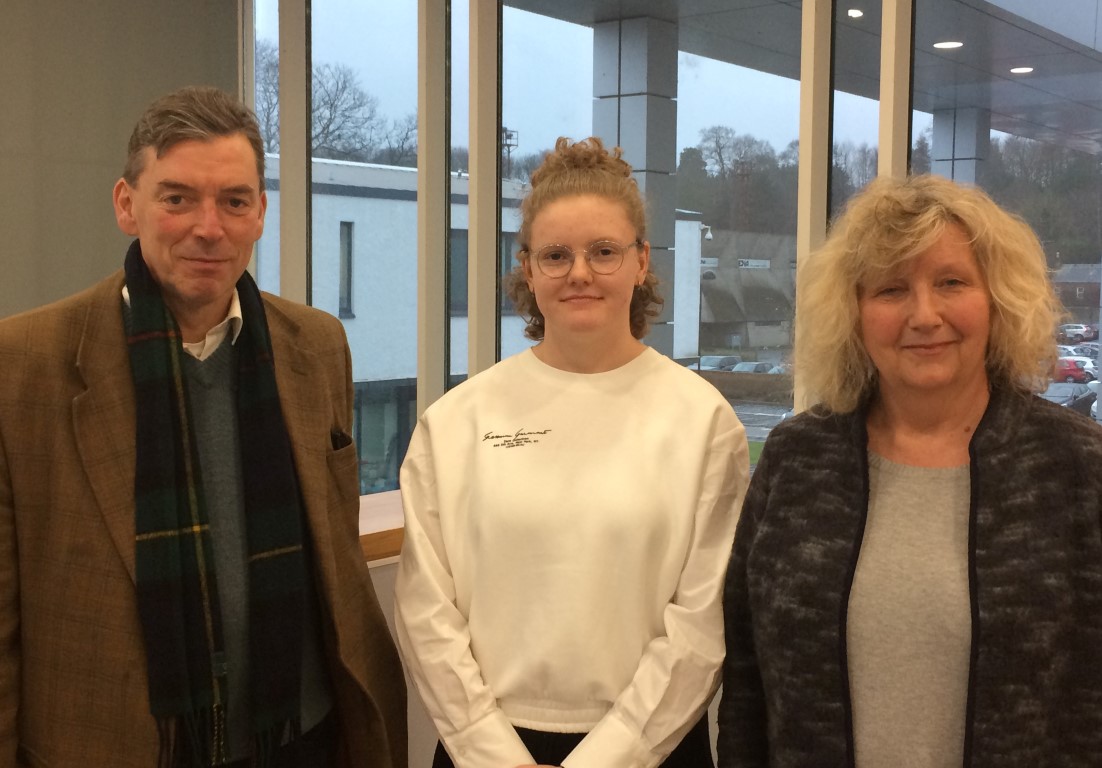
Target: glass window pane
346, 273
363, 259
534, 118
705, 103
856, 118
458, 178
1011, 109
266, 89
364, 147
738, 130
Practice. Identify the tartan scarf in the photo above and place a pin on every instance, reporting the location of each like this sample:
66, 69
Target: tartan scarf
177, 590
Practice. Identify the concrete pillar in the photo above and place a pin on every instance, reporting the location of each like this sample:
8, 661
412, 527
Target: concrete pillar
961, 140
635, 107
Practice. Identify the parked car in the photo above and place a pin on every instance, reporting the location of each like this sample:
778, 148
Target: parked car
1068, 369
1075, 332
718, 362
1066, 350
1087, 364
1086, 349
781, 368
751, 367
1077, 397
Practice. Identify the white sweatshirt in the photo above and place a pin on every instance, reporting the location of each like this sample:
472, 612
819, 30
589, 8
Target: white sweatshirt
565, 546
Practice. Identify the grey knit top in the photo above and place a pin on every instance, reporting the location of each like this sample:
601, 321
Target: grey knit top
1034, 695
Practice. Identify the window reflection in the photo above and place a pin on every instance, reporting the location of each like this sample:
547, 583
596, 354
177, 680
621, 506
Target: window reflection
1006, 110
855, 154
705, 103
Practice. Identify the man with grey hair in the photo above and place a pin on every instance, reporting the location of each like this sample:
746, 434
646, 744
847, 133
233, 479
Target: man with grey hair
181, 581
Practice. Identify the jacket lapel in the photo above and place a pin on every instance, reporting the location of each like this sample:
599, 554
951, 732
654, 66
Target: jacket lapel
303, 399
104, 422
103, 415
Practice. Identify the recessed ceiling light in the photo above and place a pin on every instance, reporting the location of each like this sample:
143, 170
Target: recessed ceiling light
948, 44
1021, 70
854, 13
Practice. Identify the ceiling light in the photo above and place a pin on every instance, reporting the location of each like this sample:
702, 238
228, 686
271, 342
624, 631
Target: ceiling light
948, 44
1021, 70
854, 13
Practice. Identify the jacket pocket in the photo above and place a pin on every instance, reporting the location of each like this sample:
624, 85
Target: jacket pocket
344, 471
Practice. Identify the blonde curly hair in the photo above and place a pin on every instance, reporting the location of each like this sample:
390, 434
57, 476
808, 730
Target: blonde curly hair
881, 229
581, 168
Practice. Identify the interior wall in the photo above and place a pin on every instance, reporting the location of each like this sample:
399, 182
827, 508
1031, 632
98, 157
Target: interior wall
422, 731
73, 79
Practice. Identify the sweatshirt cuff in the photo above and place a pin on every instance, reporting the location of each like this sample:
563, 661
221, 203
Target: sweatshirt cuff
491, 742
611, 744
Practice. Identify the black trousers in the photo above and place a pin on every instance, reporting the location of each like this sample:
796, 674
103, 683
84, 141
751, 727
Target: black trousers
694, 751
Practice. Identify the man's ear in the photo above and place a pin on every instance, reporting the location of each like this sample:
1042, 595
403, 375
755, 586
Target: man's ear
123, 198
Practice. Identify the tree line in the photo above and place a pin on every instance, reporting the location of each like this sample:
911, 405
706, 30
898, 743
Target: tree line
346, 123
736, 181
741, 183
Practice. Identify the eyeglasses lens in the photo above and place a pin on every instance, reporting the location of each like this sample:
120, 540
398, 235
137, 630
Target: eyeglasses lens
604, 258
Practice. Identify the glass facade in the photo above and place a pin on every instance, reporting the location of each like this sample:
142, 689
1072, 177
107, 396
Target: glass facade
1007, 96
705, 102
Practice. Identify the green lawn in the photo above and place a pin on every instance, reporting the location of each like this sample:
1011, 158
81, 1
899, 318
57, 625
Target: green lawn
755, 451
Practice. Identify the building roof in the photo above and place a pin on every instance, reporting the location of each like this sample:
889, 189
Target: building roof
1078, 273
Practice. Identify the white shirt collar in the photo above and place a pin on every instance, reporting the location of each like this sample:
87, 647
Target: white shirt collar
231, 325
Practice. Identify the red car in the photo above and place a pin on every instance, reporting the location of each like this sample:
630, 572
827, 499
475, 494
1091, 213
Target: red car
1068, 370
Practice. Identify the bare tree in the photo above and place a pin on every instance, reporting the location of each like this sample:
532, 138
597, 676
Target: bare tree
346, 124
523, 166
460, 159
345, 120
399, 143
920, 153
717, 146
267, 93
858, 160
790, 155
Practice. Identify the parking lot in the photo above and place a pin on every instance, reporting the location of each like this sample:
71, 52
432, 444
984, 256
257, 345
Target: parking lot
758, 418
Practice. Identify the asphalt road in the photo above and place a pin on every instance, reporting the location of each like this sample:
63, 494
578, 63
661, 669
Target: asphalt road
758, 418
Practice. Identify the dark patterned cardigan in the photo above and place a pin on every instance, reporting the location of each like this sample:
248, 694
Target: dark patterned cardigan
1035, 582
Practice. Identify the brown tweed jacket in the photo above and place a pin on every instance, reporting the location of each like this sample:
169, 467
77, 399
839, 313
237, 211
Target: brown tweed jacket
72, 666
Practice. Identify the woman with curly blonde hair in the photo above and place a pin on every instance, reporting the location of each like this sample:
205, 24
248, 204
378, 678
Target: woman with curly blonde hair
888, 226
923, 550
569, 511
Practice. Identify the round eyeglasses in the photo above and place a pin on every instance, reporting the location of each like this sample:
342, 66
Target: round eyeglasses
604, 257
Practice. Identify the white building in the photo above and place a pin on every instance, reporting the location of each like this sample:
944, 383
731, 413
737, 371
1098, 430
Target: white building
363, 269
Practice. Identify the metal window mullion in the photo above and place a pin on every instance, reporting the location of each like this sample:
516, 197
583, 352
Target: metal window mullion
433, 207
896, 64
484, 189
246, 52
294, 150
816, 58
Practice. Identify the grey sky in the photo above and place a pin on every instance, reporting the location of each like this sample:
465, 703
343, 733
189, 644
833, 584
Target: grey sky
548, 76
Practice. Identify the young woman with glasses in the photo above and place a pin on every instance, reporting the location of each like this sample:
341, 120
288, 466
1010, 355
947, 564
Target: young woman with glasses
569, 512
